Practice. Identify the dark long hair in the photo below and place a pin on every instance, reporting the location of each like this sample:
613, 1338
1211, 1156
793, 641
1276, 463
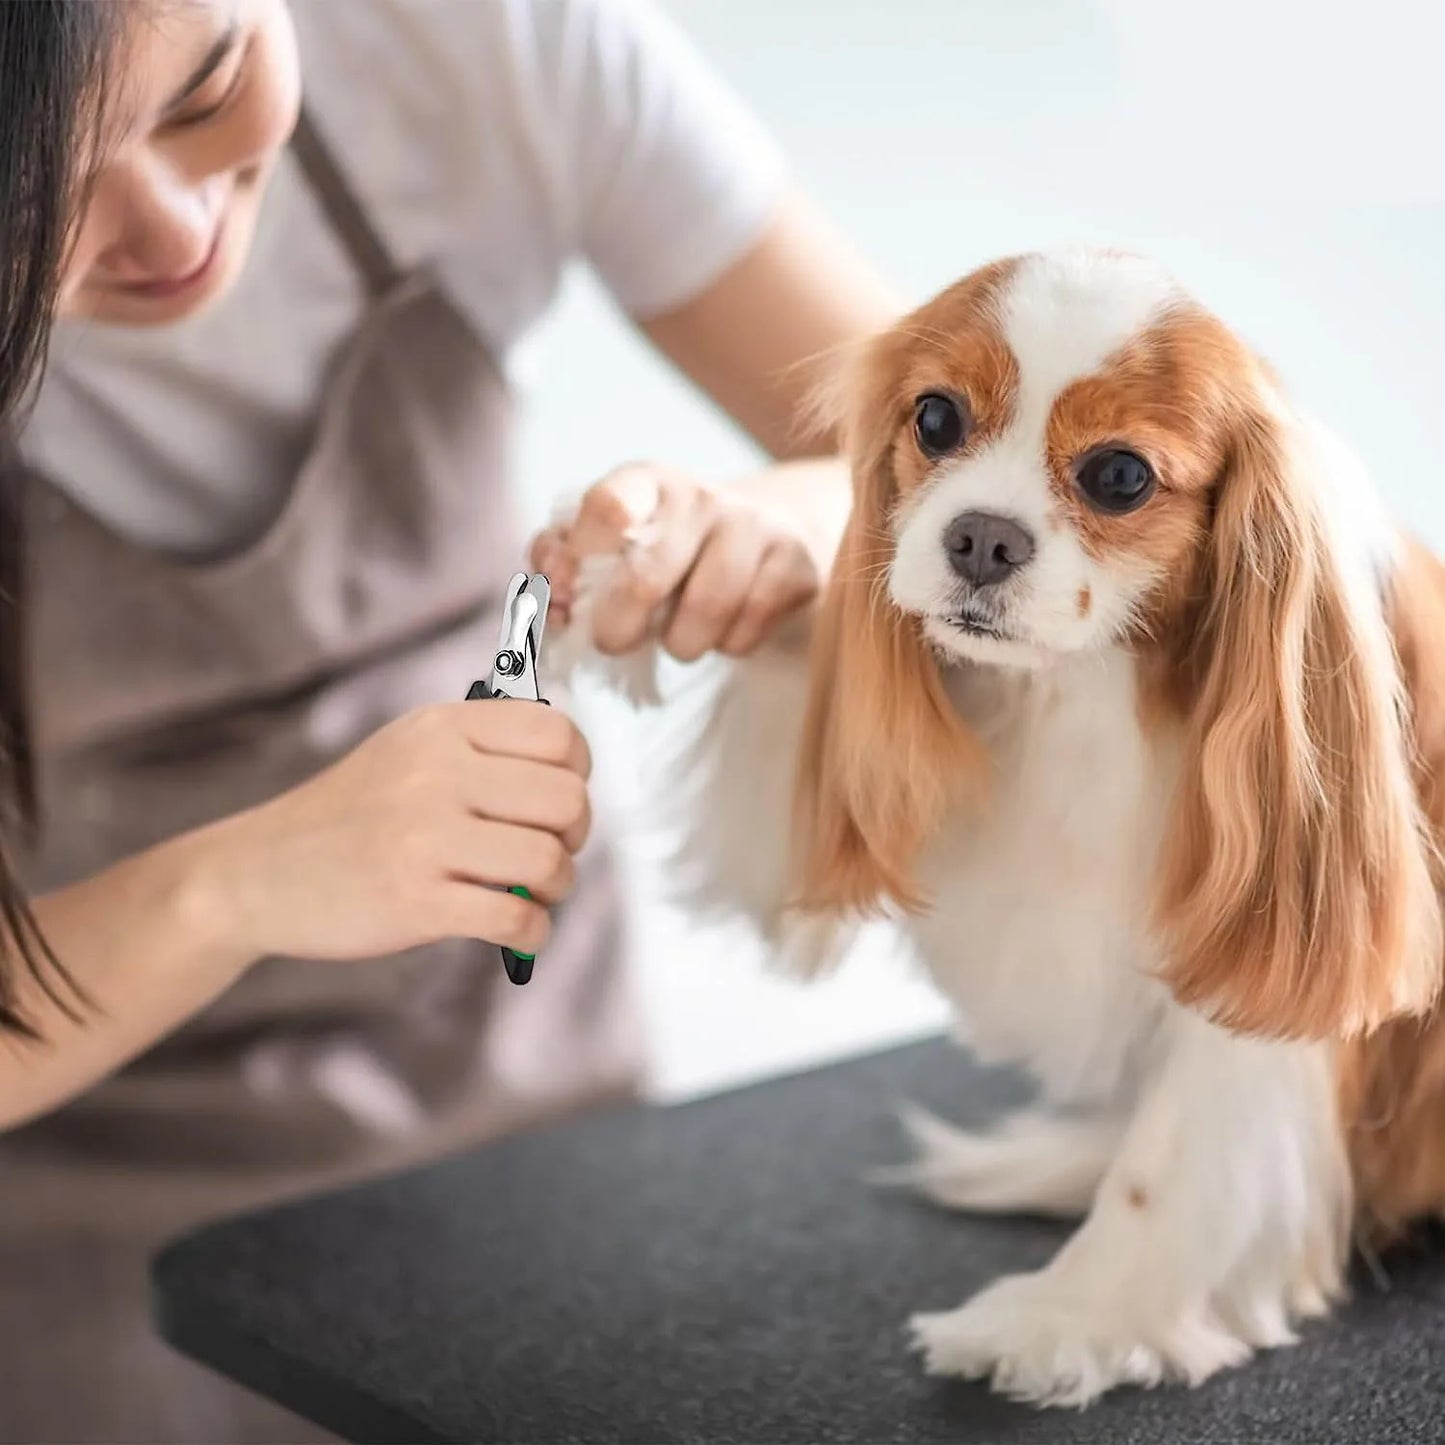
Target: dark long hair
53, 61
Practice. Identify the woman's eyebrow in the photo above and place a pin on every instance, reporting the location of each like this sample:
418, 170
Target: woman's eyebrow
214, 58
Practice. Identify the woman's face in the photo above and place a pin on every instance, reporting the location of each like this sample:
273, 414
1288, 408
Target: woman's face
203, 101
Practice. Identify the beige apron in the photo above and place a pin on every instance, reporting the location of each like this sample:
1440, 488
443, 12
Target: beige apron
168, 694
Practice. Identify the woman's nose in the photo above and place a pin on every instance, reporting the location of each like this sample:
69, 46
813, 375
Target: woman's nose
164, 224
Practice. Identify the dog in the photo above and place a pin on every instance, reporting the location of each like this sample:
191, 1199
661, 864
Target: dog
1125, 700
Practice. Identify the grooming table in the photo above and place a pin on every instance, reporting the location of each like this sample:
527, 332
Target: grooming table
719, 1272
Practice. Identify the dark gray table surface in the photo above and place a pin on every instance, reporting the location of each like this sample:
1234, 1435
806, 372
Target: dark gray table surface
718, 1272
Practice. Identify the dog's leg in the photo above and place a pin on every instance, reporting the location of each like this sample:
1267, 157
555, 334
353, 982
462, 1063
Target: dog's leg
1031, 1163
568, 652
721, 786
1224, 1211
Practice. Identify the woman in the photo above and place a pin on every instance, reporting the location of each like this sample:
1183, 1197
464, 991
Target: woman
266, 531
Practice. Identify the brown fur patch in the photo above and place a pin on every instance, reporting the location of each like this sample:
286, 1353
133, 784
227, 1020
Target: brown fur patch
1085, 601
1392, 1084
953, 345
1169, 396
1296, 896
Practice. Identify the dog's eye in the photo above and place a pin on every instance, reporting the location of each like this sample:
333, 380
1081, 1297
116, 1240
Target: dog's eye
1116, 481
938, 424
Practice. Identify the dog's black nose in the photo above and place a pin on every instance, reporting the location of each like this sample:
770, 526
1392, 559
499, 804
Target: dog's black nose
984, 548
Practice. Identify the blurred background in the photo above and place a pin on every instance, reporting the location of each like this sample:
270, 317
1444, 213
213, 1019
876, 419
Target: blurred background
1283, 159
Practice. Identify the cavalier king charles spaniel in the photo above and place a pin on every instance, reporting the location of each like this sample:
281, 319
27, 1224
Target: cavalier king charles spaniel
1126, 702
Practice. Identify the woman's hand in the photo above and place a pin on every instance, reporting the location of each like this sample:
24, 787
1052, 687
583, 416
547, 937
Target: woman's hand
412, 837
724, 566
721, 565
415, 836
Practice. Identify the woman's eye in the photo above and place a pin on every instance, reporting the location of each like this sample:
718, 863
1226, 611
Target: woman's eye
1116, 481
939, 425
215, 95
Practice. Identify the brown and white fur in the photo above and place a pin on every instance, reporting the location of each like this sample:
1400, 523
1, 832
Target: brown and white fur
1162, 817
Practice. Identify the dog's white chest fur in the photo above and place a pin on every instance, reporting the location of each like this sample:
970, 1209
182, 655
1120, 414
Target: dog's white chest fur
1039, 926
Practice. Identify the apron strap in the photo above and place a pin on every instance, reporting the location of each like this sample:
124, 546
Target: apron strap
353, 227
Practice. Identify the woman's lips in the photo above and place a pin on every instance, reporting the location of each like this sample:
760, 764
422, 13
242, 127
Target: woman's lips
171, 286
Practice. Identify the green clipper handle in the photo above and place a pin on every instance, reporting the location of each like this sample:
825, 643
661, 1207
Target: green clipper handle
518, 965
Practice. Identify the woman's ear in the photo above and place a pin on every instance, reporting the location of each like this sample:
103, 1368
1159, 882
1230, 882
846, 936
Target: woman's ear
884, 752
1297, 896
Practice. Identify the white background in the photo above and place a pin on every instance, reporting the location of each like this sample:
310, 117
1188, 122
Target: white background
1284, 159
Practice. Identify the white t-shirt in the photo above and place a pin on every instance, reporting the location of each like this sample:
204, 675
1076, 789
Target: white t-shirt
497, 140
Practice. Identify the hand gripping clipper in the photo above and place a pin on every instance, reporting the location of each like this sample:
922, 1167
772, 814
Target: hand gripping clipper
514, 674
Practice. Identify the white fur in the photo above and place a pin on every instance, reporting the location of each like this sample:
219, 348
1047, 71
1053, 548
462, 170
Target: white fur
1209, 1168
1038, 933
1066, 313
1035, 1161
1221, 1191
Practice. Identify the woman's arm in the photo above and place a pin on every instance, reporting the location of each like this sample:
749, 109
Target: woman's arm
147, 944
756, 340
733, 561
412, 837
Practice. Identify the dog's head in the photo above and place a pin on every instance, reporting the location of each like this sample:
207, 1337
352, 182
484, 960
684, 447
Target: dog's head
1064, 453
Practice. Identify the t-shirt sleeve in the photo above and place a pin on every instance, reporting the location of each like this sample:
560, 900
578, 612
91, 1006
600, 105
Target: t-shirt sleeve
665, 177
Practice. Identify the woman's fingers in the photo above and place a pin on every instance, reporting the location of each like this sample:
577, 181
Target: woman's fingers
468, 910
553, 556
613, 510
716, 588
785, 580
503, 855
513, 728
655, 563
537, 795
711, 570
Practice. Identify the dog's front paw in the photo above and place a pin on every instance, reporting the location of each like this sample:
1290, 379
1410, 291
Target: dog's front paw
568, 652
1033, 1344
1039, 1342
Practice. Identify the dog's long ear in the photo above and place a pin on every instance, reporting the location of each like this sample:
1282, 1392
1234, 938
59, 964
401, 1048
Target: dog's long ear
883, 752
1297, 896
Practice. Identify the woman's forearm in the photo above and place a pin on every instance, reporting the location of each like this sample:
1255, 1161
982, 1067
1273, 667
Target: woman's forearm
768, 330
149, 943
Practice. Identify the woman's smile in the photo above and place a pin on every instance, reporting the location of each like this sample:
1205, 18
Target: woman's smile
172, 287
